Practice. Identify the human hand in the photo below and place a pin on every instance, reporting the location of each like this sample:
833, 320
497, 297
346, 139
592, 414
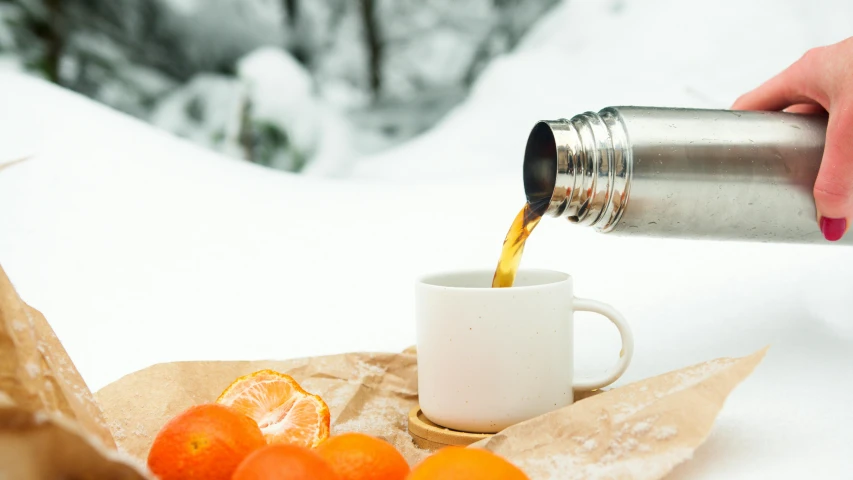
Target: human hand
822, 80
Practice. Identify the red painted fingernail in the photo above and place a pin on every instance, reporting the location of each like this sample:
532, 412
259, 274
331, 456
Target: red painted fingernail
833, 228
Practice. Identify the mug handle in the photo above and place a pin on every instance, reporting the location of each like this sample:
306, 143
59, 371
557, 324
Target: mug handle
594, 306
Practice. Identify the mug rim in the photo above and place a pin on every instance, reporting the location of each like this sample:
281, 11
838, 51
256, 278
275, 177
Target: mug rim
424, 280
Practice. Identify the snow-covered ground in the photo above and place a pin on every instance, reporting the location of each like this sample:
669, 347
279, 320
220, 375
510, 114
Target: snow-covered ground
143, 248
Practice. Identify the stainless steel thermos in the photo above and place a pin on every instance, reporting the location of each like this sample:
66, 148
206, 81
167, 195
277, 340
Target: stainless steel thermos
685, 173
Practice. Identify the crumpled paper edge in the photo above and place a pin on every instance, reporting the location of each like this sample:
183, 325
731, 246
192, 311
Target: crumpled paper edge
37, 445
703, 387
37, 373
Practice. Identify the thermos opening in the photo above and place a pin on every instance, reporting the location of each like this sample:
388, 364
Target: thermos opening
540, 167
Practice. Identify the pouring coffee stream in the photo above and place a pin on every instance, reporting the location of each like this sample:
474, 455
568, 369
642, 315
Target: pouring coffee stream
673, 172
513, 246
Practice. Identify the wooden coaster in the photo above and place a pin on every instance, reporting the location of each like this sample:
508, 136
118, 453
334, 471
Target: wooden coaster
432, 437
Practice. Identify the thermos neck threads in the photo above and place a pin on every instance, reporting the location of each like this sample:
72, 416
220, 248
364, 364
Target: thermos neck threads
579, 168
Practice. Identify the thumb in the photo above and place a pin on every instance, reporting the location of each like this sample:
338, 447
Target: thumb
833, 189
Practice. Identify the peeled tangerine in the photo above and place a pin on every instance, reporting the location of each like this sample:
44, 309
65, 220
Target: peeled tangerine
284, 411
205, 442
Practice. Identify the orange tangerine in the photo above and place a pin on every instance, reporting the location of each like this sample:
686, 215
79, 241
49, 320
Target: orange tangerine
284, 462
204, 442
356, 456
459, 463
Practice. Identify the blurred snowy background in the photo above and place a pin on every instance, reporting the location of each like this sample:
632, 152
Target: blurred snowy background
387, 88
283, 83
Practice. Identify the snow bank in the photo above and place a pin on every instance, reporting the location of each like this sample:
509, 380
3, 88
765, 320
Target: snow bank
283, 93
205, 110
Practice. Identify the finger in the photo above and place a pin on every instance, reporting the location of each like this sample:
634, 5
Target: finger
833, 190
799, 83
806, 108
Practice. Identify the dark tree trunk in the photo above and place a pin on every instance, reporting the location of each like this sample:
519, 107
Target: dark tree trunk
48, 31
291, 8
374, 44
296, 42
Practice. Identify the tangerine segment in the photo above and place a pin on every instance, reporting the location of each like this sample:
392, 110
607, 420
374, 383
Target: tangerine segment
284, 411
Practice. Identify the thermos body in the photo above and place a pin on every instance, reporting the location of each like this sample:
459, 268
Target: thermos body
686, 173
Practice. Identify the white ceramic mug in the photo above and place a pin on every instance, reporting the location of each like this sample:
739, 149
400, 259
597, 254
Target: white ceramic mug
492, 357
